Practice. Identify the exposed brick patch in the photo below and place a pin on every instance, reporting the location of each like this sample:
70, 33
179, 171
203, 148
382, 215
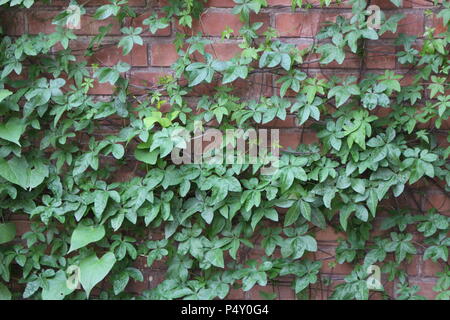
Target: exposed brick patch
380, 56
163, 54
13, 24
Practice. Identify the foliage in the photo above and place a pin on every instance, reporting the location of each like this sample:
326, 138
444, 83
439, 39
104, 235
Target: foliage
204, 219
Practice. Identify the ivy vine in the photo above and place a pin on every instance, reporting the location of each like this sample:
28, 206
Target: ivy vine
207, 222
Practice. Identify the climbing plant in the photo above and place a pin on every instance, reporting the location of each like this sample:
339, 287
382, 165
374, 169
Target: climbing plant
218, 226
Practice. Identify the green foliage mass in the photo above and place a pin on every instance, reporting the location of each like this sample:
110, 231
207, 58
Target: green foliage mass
59, 169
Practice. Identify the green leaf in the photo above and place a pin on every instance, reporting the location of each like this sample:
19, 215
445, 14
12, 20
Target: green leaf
4, 94
12, 130
215, 257
372, 202
100, 202
121, 282
17, 171
93, 270
345, 214
397, 3
292, 215
7, 232
5, 294
56, 288
305, 209
83, 235
118, 151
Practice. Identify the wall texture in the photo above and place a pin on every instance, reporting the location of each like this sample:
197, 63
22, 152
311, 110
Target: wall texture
153, 59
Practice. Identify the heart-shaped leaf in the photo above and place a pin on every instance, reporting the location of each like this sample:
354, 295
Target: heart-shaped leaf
7, 232
57, 287
12, 130
93, 270
83, 235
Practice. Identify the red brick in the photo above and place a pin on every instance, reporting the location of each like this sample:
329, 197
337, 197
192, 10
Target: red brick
256, 85
111, 55
221, 3
380, 57
284, 292
223, 51
255, 292
430, 268
144, 79
426, 288
235, 294
41, 21
163, 54
413, 268
329, 234
22, 227
131, 3
286, 3
293, 139
387, 4
289, 122
313, 3
214, 23
328, 255
297, 24
89, 3
101, 88
388, 289
437, 200
90, 26
438, 23
412, 24
13, 24
407, 80
421, 3
304, 24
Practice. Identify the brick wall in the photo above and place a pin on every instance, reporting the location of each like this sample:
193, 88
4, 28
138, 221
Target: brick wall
153, 59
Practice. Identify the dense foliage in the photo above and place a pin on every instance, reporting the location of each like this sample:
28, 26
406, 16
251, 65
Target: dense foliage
205, 221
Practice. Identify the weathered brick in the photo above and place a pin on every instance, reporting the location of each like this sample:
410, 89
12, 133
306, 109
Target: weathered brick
438, 24
426, 288
439, 201
41, 21
291, 138
13, 24
144, 81
430, 268
22, 227
329, 264
221, 3
387, 4
101, 88
289, 122
163, 54
380, 57
329, 234
214, 23
223, 51
412, 24
297, 24
111, 55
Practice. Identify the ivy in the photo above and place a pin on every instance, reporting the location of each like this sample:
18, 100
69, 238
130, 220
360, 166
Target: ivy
378, 139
